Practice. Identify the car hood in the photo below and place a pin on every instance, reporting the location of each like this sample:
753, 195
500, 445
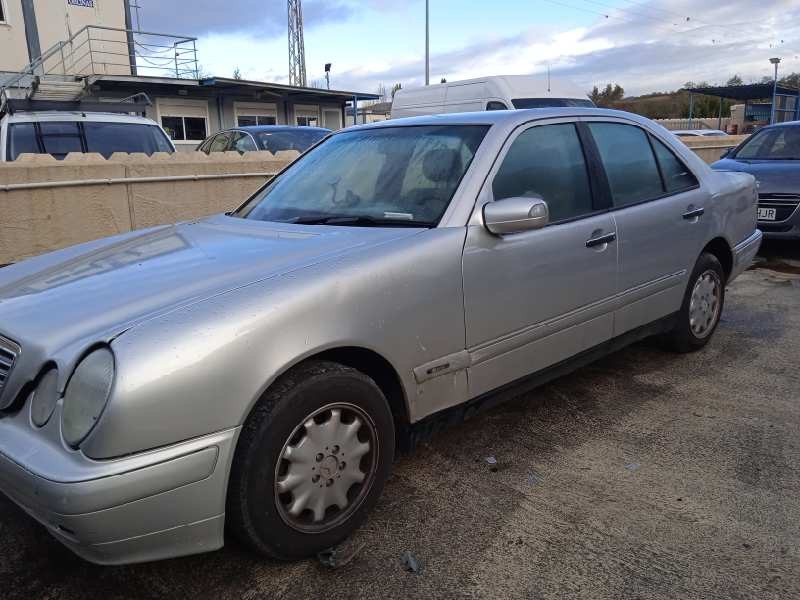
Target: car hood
55, 300
773, 176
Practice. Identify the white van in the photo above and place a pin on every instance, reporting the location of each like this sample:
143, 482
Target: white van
499, 92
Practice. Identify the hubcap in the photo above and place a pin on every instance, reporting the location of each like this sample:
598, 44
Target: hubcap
704, 304
325, 468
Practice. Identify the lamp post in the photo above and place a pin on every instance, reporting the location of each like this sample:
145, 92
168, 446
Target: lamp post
328, 74
427, 45
774, 61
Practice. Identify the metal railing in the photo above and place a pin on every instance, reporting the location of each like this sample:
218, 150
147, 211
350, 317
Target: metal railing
99, 50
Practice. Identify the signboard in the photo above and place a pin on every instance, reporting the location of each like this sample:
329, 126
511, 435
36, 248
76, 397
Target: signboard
84, 3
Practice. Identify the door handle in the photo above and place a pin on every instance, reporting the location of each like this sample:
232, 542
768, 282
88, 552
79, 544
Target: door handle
693, 214
603, 239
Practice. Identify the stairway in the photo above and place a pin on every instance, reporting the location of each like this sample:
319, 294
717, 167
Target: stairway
56, 88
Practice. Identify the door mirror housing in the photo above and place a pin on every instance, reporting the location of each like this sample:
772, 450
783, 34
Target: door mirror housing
513, 215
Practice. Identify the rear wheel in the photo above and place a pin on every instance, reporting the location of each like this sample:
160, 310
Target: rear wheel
311, 461
702, 306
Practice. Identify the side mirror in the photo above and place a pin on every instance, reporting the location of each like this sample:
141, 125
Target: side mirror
512, 215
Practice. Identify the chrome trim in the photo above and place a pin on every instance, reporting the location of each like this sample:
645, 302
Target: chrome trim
9, 353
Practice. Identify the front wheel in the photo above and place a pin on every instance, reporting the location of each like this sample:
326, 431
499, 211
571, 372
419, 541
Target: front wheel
311, 461
702, 306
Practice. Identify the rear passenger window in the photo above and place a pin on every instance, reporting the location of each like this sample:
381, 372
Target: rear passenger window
629, 162
547, 161
677, 176
220, 143
495, 105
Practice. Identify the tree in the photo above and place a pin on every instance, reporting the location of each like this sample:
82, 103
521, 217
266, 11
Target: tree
609, 95
791, 80
443, 80
395, 87
735, 80
237, 73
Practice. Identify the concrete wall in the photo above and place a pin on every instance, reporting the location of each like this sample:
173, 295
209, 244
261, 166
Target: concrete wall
47, 204
57, 21
710, 149
13, 46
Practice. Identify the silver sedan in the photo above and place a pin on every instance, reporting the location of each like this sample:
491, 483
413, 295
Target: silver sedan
258, 371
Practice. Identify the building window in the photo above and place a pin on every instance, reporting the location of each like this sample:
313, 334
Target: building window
185, 129
3, 12
306, 116
249, 120
255, 113
184, 120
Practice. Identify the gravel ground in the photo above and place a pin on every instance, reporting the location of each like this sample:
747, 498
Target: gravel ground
645, 475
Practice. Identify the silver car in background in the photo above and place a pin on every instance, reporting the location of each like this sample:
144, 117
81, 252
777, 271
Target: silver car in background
257, 371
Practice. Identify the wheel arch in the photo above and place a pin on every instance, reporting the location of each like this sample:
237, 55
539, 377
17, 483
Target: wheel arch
719, 247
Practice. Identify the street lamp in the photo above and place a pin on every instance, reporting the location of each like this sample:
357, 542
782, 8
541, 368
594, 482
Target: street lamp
427, 45
774, 61
328, 74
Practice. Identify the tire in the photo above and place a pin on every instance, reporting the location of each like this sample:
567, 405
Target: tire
693, 330
296, 418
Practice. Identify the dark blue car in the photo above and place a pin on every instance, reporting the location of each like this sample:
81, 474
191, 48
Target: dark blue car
274, 138
772, 155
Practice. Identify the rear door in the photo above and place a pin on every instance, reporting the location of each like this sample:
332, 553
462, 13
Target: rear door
659, 207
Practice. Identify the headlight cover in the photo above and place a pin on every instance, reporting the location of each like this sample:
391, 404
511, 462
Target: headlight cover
86, 395
45, 398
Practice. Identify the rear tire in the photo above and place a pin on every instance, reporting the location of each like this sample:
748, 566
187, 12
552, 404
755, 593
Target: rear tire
311, 461
702, 306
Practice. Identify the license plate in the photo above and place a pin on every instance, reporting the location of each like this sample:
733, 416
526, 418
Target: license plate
766, 214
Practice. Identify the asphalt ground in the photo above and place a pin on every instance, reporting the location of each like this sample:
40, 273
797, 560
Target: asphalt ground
644, 475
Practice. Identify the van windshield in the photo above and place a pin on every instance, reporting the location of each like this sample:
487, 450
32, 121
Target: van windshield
386, 177
551, 102
59, 138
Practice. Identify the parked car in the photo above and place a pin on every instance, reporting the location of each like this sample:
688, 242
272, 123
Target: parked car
274, 138
772, 156
61, 132
700, 133
500, 92
258, 370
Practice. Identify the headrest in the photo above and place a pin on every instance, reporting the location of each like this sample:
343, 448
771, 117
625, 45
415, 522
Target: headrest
442, 164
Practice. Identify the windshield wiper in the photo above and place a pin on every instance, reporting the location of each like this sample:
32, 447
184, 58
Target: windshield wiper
358, 221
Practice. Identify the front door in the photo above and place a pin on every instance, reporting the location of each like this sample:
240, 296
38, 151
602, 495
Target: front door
659, 208
535, 298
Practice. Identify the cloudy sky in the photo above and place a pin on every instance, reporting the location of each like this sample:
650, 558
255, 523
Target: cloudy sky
644, 45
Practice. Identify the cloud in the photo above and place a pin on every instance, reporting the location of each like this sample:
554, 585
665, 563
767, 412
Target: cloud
264, 18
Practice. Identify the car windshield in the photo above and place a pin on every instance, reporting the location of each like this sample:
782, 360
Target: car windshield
775, 143
388, 176
297, 139
551, 102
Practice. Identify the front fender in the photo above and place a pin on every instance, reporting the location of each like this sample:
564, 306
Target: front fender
200, 368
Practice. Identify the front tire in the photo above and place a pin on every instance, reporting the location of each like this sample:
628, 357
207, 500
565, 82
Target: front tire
702, 306
311, 461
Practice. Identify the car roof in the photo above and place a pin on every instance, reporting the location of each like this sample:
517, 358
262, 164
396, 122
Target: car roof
60, 115
503, 117
784, 124
276, 128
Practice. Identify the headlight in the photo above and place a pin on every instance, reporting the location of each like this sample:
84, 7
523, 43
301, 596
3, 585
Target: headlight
86, 395
45, 397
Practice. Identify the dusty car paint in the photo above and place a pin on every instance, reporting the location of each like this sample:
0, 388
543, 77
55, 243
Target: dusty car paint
202, 317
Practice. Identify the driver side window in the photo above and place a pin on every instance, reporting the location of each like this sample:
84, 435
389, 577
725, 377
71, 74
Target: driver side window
547, 161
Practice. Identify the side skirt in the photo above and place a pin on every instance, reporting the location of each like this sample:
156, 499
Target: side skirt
423, 430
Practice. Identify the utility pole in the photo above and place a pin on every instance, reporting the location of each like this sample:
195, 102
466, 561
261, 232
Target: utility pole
427, 45
775, 62
297, 52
